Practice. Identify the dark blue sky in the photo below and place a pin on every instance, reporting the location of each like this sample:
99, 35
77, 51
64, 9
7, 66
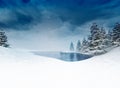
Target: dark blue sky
53, 24
77, 12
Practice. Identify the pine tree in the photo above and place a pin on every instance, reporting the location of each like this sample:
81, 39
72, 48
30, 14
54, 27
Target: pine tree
116, 34
78, 48
103, 38
71, 46
109, 41
84, 42
84, 46
3, 39
95, 37
103, 33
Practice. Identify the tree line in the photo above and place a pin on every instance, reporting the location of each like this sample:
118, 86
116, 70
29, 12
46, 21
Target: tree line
99, 40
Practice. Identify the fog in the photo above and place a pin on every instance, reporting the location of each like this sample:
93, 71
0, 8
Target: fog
53, 36
57, 39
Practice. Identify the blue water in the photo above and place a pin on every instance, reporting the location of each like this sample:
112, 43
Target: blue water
74, 56
65, 56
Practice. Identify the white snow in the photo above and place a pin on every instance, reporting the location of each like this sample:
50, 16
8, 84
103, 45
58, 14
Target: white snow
21, 69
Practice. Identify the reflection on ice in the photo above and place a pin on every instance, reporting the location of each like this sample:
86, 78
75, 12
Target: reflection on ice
66, 56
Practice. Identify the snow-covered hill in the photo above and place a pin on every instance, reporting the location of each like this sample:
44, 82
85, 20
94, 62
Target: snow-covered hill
10, 55
22, 69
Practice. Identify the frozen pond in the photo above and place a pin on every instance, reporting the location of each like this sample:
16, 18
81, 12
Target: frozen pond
66, 56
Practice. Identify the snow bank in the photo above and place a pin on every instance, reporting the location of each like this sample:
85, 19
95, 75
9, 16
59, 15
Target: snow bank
98, 72
112, 57
10, 55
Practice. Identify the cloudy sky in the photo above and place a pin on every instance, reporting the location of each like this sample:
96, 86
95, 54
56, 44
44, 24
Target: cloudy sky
54, 22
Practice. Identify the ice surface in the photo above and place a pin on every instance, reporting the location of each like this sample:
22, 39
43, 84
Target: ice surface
65, 56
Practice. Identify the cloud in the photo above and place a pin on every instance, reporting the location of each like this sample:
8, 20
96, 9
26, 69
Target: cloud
76, 12
53, 24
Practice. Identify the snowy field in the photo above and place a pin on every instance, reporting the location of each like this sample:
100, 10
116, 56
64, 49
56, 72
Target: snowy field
22, 69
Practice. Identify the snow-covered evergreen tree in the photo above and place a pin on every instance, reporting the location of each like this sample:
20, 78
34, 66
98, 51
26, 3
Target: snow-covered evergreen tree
78, 48
109, 42
84, 46
95, 37
72, 47
116, 34
3, 39
103, 33
109, 35
84, 42
103, 38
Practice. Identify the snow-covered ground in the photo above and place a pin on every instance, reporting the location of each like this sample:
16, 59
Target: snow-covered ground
21, 69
